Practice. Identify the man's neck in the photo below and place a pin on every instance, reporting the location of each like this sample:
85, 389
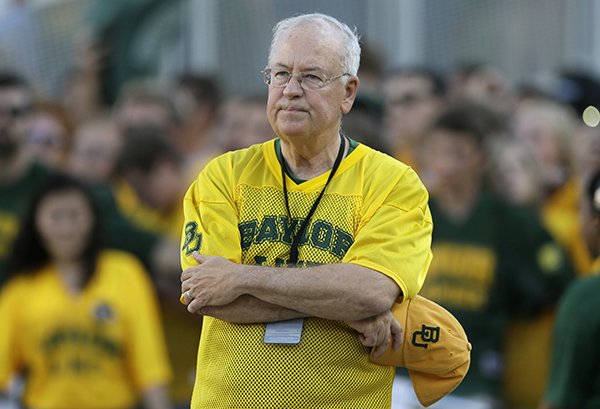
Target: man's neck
309, 160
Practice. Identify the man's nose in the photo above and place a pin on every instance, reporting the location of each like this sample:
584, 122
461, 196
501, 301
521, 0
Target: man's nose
294, 86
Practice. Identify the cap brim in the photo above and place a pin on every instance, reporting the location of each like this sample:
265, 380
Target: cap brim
434, 373
430, 388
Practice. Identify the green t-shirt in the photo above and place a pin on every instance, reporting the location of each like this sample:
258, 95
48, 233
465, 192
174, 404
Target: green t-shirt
575, 370
497, 263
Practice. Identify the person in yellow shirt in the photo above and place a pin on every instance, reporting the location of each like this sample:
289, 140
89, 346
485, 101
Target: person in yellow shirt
80, 323
294, 250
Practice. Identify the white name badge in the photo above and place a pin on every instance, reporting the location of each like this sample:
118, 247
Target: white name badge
284, 332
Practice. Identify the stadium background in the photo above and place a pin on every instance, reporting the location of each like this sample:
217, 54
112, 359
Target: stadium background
527, 39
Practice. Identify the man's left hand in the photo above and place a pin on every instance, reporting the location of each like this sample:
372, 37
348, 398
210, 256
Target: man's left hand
378, 332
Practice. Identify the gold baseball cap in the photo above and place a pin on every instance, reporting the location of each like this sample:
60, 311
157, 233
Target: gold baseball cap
435, 349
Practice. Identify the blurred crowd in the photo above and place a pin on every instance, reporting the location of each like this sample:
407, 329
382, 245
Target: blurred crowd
504, 164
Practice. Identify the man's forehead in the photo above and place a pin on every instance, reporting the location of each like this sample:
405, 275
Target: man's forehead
311, 56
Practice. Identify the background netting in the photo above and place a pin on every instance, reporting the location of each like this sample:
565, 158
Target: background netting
231, 37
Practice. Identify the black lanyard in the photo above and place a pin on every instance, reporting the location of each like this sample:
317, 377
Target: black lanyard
296, 237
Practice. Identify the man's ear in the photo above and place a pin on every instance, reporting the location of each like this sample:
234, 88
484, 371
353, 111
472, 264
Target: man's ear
351, 89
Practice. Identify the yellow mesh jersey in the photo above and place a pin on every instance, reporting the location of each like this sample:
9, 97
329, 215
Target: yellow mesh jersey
95, 350
374, 213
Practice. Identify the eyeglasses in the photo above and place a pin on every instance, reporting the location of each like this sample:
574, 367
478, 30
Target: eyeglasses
280, 78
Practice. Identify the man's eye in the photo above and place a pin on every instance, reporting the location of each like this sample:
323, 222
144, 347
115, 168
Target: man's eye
281, 74
312, 77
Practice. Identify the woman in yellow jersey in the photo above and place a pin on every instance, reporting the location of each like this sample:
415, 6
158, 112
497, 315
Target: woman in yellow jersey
79, 323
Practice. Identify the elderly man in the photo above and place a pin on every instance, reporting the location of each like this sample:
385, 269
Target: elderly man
354, 222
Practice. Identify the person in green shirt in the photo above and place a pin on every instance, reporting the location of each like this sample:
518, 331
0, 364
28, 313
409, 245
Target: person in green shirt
575, 370
492, 261
17, 174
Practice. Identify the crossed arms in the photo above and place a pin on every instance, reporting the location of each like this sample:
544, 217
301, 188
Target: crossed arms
349, 292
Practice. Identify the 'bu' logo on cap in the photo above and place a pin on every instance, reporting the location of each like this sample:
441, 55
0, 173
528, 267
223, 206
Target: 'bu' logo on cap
426, 336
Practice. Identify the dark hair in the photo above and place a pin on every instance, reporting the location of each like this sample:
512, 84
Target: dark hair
469, 118
438, 82
364, 122
9, 79
593, 192
204, 88
143, 147
371, 59
578, 88
28, 252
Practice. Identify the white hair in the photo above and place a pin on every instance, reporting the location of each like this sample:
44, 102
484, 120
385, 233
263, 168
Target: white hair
350, 58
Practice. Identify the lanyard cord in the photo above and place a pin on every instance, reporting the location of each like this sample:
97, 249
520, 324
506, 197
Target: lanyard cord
300, 232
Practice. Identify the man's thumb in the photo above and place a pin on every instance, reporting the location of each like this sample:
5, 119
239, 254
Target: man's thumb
198, 257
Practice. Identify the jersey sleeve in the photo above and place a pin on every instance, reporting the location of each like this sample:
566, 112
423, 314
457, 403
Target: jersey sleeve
396, 239
575, 353
9, 343
147, 353
211, 216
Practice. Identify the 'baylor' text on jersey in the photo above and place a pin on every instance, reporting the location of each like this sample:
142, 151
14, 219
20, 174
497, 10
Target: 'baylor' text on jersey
374, 213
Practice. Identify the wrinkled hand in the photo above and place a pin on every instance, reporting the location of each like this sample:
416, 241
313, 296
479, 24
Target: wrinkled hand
378, 331
212, 282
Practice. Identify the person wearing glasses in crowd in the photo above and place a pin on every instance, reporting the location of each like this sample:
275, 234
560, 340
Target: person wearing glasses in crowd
20, 174
294, 250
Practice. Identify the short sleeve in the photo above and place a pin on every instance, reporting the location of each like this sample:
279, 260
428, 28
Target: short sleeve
211, 217
396, 239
